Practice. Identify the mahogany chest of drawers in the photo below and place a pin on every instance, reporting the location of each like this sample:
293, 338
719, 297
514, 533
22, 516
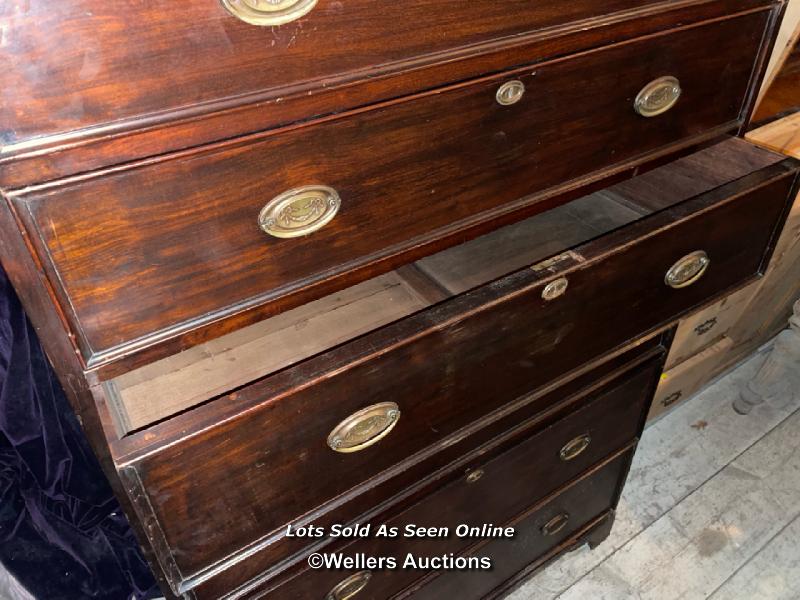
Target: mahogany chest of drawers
305, 264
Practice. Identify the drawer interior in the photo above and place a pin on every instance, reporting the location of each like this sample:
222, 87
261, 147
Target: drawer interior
230, 466
156, 391
164, 388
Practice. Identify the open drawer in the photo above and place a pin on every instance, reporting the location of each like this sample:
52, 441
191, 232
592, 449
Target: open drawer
310, 432
159, 250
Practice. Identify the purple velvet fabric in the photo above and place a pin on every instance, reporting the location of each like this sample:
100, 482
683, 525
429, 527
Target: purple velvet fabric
62, 533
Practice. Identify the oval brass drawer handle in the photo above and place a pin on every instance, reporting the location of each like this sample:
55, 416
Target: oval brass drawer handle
299, 211
364, 428
510, 92
658, 96
474, 476
687, 270
575, 447
349, 587
556, 524
555, 289
268, 13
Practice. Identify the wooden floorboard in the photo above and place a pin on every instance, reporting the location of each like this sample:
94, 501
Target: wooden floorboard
712, 498
772, 573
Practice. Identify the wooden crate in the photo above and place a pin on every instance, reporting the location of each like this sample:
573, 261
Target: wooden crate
685, 379
768, 311
707, 326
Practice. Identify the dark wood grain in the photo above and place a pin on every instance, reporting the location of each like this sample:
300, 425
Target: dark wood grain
172, 245
762, 61
515, 425
511, 482
126, 139
127, 358
89, 63
446, 368
278, 558
138, 142
694, 174
512, 247
584, 502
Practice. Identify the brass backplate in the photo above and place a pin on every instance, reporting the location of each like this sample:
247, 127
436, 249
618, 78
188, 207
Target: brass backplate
556, 524
510, 92
268, 13
555, 289
364, 428
575, 447
299, 211
658, 96
687, 270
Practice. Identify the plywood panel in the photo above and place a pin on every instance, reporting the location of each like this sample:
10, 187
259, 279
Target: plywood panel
685, 379
707, 326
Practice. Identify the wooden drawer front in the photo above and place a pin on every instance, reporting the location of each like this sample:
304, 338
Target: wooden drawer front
520, 421
507, 485
445, 368
178, 244
583, 502
91, 63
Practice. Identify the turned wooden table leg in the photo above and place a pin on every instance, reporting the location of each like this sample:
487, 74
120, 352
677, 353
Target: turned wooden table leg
778, 379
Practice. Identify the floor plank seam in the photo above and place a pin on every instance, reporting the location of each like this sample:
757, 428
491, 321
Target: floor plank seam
766, 434
755, 554
605, 560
